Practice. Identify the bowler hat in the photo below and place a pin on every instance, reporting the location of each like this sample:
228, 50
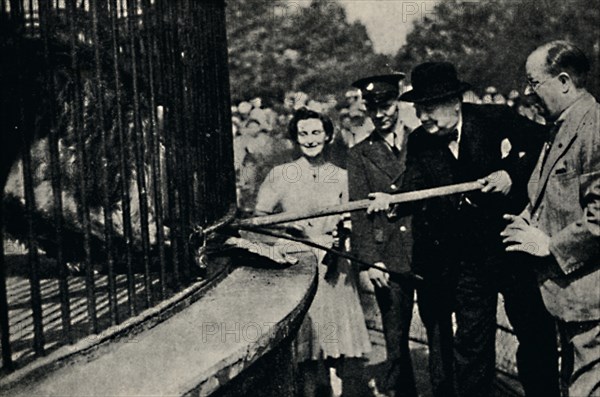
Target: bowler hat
379, 89
433, 81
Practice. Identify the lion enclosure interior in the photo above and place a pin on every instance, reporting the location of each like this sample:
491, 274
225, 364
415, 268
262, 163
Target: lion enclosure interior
116, 146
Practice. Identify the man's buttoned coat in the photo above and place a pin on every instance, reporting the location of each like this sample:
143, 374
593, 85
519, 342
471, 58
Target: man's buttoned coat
373, 167
493, 138
459, 252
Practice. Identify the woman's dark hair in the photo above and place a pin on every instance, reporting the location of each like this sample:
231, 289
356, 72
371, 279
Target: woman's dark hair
305, 114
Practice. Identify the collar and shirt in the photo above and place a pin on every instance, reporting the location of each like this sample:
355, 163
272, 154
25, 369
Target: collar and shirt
396, 140
454, 139
554, 128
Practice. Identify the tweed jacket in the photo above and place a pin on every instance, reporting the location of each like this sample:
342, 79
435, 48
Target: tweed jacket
564, 202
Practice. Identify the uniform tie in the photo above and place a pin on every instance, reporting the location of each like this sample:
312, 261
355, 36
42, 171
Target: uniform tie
396, 152
394, 147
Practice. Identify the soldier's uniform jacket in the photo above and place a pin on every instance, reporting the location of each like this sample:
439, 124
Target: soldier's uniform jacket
373, 167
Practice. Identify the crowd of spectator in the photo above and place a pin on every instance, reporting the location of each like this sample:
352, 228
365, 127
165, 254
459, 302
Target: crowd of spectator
261, 138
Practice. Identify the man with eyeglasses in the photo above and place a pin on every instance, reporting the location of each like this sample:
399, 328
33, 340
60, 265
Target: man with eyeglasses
457, 248
560, 227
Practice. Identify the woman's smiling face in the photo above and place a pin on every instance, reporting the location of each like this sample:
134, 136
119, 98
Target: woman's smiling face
311, 137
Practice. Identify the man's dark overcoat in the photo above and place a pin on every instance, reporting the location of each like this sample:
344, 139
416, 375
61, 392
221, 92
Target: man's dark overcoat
458, 249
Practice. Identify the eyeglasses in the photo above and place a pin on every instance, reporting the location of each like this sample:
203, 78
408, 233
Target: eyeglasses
535, 85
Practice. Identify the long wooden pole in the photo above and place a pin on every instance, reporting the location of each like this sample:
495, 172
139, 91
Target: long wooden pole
357, 205
406, 275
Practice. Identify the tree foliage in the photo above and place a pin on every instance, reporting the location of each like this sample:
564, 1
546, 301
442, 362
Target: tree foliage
277, 46
489, 41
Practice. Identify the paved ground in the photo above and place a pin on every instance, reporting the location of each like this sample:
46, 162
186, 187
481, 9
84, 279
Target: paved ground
356, 378
359, 374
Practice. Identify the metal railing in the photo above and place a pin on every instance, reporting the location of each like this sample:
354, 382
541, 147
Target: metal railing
116, 140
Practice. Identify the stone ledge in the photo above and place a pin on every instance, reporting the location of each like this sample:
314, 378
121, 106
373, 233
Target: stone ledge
200, 348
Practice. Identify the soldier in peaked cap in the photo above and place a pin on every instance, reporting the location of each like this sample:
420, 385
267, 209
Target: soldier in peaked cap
457, 247
376, 165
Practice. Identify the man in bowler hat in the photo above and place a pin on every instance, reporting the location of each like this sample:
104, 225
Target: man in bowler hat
376, 165
457, 248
